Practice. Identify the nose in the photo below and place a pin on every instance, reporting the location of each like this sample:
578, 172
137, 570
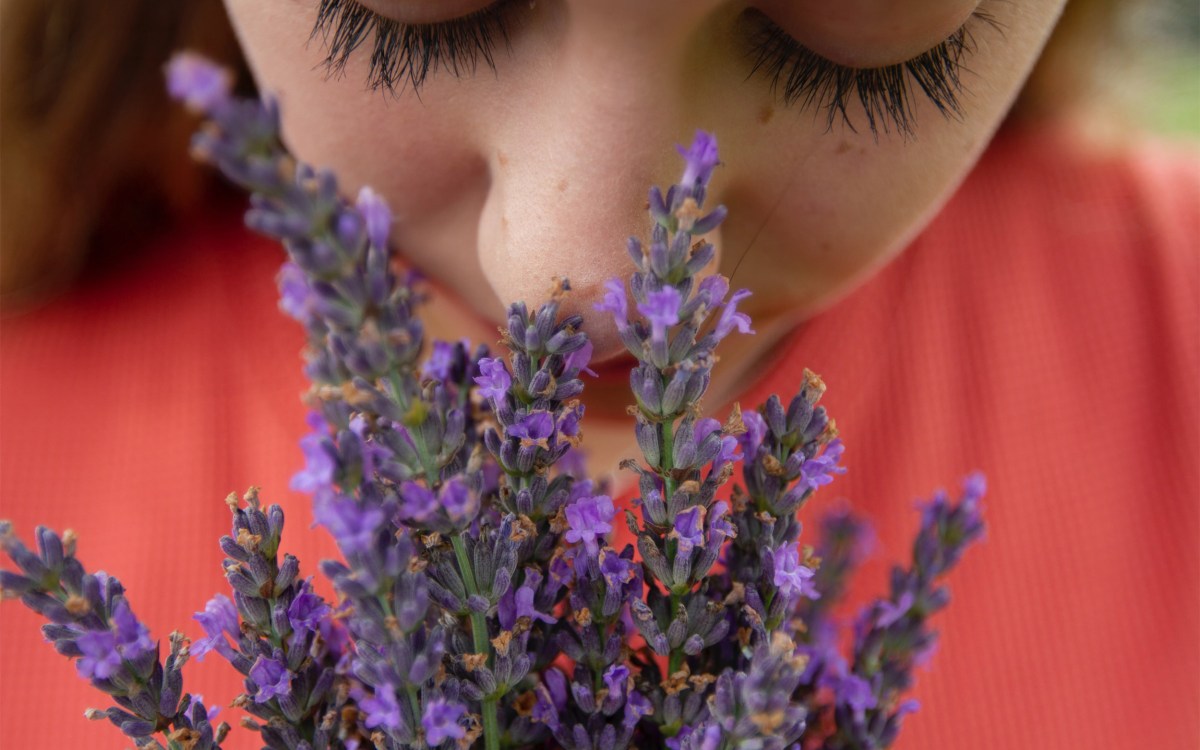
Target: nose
571, 158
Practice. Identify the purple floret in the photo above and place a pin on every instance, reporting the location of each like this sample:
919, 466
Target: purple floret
819, 470
377, 215
731, 318
615, 302
318, 453
441, 721
100, 659
616, 570
457, 500
890, 613
441, 359
752, 438
636, 706
720, 527
202, 85
577, 361
352, 524
534, 428
417, 502
701, 157
272, 677
728, 454
493, 379
218, 619
382, 708
589, 519
133, 638
307, 610
791, 577
689, 529
616, 678
295, 294
661, 308
715, 288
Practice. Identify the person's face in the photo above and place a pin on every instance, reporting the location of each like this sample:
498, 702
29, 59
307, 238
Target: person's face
504, 178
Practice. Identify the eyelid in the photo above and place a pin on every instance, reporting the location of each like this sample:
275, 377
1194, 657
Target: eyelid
798, 75
870, 33
406, 55
427, 13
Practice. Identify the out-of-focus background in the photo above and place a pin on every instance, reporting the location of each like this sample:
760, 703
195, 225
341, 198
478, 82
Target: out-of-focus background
1163, 91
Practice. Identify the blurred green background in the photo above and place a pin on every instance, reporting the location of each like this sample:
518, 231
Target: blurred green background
1166, 95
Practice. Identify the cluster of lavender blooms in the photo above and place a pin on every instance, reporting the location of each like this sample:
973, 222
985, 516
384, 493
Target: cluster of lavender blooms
91, 621
482, 597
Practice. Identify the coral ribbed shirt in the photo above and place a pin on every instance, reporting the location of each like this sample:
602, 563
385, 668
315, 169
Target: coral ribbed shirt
1043, 329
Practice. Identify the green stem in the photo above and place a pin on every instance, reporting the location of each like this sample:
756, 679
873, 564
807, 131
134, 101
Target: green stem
432, 475
491, 728
414, 703
667, 460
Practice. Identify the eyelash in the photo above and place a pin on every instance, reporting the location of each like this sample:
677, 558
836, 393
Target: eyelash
405, 55
799, 75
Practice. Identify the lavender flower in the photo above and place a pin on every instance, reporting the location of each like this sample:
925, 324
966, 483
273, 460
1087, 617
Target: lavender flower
791, 577
616, 570
731, 318
92, 622
382, 708
218, 619
819, 471
689, 529
458, 501
440, 361
307, 610
662, 310
132, 637
493, 380
272, 677
318, 473
616, 678
377, 215
296, 297
100, 659
534, 429
417, 502
352, 525
198, 82
701, 157
589, 519
891, 635
615, 302
441, 721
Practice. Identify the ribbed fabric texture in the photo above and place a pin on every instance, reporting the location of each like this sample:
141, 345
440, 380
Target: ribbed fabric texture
1043, 329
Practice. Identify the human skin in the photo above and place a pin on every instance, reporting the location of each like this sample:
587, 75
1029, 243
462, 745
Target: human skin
501, 181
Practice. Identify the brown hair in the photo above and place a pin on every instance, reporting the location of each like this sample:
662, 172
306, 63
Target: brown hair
90, 146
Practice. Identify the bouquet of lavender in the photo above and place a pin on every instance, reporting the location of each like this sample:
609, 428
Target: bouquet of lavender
481, 599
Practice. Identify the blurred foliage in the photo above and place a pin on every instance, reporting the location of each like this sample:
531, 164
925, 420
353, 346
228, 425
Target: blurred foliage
1166, 94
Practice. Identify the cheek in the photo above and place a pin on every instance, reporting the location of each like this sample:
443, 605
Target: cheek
832, 207
420, 155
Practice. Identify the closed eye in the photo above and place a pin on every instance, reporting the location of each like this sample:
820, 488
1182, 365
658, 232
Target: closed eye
406, 55
886, 95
